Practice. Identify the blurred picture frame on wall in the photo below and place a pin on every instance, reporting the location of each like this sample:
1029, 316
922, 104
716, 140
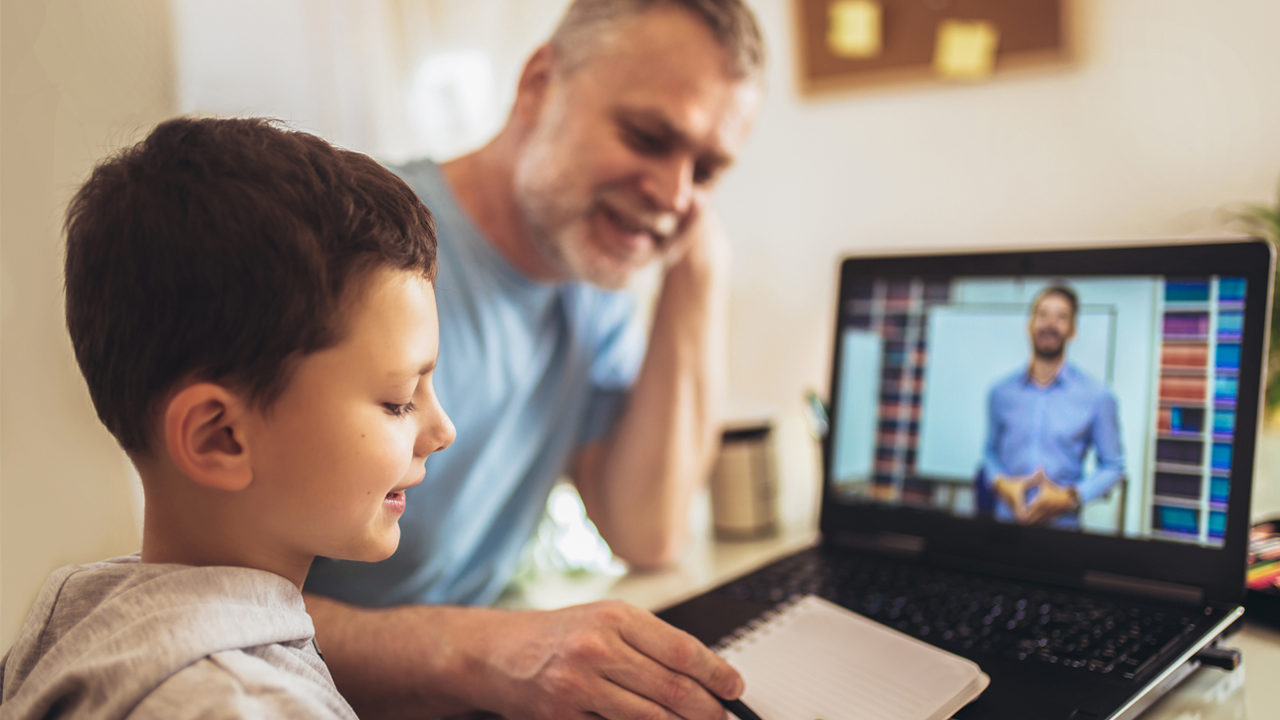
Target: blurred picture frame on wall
844, 45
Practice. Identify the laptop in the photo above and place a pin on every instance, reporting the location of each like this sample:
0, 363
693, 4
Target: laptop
1096, 609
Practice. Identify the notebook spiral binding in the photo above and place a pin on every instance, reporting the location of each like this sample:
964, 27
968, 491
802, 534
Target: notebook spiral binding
756, 625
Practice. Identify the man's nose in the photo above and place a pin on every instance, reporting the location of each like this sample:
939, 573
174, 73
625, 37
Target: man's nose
669, 184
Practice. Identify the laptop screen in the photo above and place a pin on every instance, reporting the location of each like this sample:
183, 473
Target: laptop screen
975, 395
1108, 393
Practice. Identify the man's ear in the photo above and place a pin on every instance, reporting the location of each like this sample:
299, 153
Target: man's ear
535, 79
204, 427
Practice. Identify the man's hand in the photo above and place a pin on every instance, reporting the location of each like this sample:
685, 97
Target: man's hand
700, 241
1013, 491
606, 659
603, 660
1051, 499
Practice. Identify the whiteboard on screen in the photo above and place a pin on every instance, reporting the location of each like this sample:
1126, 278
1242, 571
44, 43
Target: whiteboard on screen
858, 406
970, 349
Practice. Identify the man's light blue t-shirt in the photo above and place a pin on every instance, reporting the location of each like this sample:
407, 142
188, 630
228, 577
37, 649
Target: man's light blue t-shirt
1052, 427
529, 373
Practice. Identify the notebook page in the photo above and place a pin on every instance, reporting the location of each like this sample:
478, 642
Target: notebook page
815, 660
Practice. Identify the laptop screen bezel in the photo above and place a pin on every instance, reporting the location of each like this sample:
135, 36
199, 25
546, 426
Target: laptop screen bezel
1064, 555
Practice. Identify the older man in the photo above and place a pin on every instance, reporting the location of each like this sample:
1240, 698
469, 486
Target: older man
621, 127
1042, 421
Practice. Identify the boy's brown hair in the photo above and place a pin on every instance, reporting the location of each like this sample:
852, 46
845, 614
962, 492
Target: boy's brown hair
224, 250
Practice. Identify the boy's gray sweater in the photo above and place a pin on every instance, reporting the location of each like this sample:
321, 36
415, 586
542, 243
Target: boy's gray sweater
123, 639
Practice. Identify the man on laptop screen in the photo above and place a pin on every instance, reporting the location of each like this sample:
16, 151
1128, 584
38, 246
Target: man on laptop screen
1041, 422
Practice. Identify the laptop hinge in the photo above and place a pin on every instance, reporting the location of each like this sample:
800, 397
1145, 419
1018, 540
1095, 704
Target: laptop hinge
1156, 589
880, 543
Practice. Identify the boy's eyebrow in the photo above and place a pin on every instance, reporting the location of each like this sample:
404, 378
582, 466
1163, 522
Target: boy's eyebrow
426, 368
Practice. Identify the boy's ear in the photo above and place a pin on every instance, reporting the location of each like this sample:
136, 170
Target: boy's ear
204, 428
531, 90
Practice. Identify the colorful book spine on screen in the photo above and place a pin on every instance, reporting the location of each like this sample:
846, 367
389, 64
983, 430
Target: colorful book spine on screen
1199, 385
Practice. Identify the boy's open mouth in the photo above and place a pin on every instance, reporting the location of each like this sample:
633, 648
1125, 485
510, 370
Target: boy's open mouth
394, 501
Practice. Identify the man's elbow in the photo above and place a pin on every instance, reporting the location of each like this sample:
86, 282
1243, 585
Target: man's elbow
655, 553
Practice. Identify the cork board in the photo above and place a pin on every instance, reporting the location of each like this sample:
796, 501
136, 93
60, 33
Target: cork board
1031, 33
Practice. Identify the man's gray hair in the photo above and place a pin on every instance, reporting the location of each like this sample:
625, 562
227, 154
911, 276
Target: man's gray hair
730, 22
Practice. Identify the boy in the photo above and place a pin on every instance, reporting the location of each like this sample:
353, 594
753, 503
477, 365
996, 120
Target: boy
253, 311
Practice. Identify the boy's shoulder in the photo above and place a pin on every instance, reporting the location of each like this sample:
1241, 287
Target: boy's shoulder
269, 681
103, 637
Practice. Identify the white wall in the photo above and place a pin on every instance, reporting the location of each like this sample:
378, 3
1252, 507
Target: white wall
1169, 113
393, 78
79, 78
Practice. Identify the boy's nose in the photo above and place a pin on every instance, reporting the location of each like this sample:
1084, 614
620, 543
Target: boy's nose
436, 432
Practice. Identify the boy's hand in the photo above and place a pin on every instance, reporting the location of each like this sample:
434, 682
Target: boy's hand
606, 659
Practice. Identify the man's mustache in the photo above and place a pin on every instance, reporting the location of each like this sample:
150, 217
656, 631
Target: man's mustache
1049, 344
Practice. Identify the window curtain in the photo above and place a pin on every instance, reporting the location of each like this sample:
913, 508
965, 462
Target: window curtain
393, 78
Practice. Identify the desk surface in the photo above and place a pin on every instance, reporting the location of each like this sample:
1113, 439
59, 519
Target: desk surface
1208, 694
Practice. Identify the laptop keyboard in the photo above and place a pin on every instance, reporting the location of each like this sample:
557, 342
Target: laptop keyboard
971, 614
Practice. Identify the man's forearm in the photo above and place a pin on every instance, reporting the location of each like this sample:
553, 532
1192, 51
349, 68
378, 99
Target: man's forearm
606, 659
402, 662
641, 487
1099, 483
1110, 453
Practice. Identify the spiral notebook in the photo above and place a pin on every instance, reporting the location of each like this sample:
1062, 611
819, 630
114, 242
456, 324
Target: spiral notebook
813, 660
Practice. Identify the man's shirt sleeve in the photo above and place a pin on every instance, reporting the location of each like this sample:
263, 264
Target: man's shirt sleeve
1110, 454
991, 465
620, 343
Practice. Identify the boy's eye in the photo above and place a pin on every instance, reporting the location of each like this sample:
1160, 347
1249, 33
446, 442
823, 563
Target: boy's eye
400, 409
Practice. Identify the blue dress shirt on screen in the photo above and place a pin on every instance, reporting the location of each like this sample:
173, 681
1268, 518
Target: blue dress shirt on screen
1052, 427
